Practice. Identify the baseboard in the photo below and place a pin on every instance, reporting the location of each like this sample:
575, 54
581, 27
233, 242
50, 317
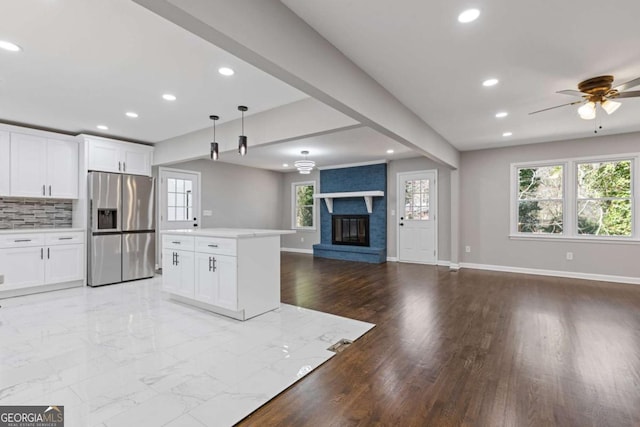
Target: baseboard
298, 251
555, 273
443, 263
392, 259
454, 266
18, 292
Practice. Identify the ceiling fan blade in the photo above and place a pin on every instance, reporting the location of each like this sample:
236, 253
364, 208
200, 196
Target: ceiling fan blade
629, 94
572, 93
628, 85
557, 106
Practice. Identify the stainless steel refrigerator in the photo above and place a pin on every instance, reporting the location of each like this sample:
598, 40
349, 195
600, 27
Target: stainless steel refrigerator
121, 228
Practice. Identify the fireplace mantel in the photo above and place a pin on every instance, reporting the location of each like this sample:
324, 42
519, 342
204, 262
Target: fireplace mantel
368, 197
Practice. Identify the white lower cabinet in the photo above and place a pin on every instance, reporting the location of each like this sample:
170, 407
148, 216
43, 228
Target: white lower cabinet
216, 280
32, 260
22, 266
178, 272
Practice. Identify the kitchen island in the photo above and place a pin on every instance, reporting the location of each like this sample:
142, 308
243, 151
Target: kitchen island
230, 271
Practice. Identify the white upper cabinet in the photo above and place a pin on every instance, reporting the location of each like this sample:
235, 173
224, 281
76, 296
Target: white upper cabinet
119, 157
5, 161
42, 167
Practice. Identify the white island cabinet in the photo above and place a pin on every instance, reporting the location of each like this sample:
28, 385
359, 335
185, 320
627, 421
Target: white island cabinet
234, 272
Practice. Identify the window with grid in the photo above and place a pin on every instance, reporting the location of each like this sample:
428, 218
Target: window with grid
416, 199
179, 199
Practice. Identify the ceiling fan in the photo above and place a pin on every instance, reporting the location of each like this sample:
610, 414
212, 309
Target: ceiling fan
598, 90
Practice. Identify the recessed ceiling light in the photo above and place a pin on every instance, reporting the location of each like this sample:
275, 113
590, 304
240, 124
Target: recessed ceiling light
11, 47
507, 134
389, 151
285, 165
502, 114
132, 114
102, 127
490, 82
468, 15
168, 97
226, 71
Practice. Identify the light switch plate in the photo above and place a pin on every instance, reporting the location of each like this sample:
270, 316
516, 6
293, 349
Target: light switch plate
207, 213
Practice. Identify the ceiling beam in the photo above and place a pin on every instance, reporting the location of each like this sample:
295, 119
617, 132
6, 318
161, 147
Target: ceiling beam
271, 37
301, 119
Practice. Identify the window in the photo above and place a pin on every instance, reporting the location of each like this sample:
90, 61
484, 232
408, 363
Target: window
575, 198
604, 198
303, 205
416, 199
179, 199
540, 199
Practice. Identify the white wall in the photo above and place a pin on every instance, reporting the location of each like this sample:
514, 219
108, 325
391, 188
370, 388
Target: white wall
484, 212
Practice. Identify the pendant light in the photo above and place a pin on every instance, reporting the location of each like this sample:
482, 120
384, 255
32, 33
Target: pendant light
214, 145
304, 166
242, 140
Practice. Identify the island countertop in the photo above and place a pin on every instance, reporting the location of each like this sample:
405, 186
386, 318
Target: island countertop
233, 233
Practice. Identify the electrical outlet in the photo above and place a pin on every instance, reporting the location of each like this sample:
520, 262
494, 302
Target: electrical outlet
302, 239
207, 213
569, 256
467, 249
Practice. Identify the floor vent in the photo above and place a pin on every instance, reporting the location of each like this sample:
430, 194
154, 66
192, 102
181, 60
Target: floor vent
340, 346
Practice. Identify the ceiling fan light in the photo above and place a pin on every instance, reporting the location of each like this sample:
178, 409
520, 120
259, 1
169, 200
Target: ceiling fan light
587, 111
610, 106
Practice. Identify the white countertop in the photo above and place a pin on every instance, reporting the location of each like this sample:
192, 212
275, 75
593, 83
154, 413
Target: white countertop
234, 233
38, 230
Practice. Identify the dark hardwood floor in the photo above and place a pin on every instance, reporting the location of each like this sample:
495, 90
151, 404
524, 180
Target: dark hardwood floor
472, 348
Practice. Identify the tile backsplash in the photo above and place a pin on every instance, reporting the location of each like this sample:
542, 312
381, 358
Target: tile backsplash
34, 213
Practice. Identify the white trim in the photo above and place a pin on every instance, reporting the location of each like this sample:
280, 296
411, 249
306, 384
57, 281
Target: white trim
294, 205
443, 263
454, 267
590, 239
554, 273
298, 251
392, 259
352, 165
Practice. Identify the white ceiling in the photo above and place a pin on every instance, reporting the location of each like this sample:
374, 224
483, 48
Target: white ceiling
351, 146
86, 63
434, 65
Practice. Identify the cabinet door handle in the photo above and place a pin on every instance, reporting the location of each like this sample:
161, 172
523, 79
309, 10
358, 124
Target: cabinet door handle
41, 253
173, 258
214, 263
44, 191
49, 190
48, 253
213, 246
177, 258
177, 243
210, 264
65, 238
124, 166
22, 240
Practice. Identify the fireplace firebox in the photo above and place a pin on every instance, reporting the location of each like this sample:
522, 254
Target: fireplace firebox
350, 230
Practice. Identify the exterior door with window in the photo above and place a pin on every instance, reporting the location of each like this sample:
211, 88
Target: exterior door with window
417, 209
179, 199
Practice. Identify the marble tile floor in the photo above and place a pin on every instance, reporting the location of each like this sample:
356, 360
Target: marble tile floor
126, 355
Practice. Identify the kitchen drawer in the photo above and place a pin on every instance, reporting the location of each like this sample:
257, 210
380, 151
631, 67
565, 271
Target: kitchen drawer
184, 243
64, 238
21, 240
216, 245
